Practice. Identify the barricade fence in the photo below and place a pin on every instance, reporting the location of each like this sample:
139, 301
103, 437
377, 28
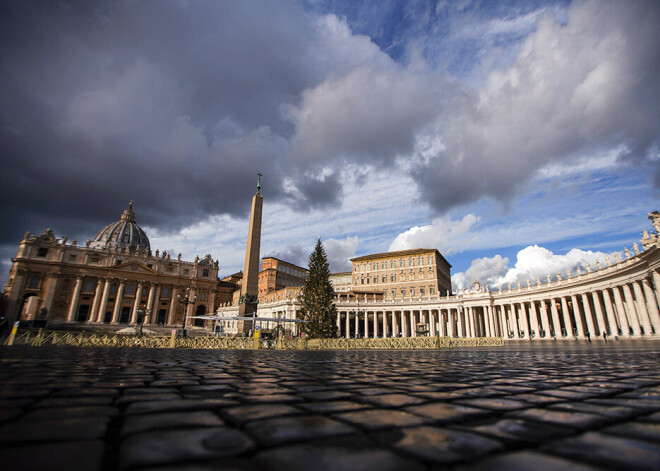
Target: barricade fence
89, 339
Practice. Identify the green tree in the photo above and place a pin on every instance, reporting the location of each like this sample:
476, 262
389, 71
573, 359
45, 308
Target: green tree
317, 297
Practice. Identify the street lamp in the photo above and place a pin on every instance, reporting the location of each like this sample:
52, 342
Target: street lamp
185, 300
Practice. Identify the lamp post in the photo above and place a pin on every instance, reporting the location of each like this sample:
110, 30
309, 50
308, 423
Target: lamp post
185, 300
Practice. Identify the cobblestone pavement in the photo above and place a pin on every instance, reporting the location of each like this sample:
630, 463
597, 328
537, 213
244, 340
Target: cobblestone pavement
578, 408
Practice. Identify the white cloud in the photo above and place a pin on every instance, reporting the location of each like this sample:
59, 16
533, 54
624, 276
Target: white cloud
340, 251
531, 262
445, 234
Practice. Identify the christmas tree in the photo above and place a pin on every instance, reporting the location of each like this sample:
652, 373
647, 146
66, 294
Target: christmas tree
317, 297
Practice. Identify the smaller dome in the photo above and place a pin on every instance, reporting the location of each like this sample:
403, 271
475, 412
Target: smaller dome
124, 235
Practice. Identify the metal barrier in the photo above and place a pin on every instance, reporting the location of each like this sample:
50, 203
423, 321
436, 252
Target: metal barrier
86, 339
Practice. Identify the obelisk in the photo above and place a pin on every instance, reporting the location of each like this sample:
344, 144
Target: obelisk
250, 286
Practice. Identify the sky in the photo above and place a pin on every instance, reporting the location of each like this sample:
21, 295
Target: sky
519, 138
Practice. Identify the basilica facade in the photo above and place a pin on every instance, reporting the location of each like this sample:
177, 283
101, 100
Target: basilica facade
113, 279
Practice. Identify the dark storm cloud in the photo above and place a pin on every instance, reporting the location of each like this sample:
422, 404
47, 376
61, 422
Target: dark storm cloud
176, 105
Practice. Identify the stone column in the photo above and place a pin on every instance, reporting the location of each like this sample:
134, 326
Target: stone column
150, 305
366, 324
656, 284
136, 303
469, 322
50, 292
347, 324
566, 316
338, 324
533, 318
545, 318
505, 327
652, 305
555, 318
432, 328
611, 316
578, 318
588, 316
621, 311
523, 318
118, 302
641, 308
632, 314
491, 321
602, 326
104, 301
384, 324
156, 305
412, 324
375, 324
395, 325
357, 321
74, 300
98, 293
171, 315
460, 331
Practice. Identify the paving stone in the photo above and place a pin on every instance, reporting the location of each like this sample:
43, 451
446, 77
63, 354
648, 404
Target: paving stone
179, 446
15, 403
272, 398
53, 413
655, 417
375, 419
24, 393
439, 445
172, 420
322, 457
9, 414
70, 456
644, 404
244, 414
129, 398
74, 401
526, 461
609, 451
325, 395
447, 413
617, 412
332, 406
578, 420
86, 392
54, 430
278, 431
500, 404
393, 400
521, 431
639, 430
150, 407
537, 399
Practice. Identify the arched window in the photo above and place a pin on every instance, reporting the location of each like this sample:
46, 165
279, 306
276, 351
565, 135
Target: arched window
34, 282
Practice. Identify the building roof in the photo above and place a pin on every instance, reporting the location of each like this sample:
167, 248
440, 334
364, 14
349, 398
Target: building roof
288, 263
122, 235
399, 253
341, 273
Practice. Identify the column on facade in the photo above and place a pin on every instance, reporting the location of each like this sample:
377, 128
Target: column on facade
74, 300
491, 320
173, 304
98, 294
656, 284
579, 325
395, 325
375, 329
53, 279
524, 325
621, 312
591, 328
151, 309
156, 304
651, 305
459, 323
338, 324
190, 307
411, 323
433, 331
600, 319
556, 323
513, 321
366, 324
533, 318
566, 317
545, 318
136, 304
644, 318
104, 301
385, 330
503, 324
357, 320
118, 302
632, 312
469, 322
611, 314
347, 324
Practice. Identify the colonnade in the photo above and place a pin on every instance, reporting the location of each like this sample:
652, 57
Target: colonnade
628, 309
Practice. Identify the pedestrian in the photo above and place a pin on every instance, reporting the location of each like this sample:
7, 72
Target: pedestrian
589, 337
605, 336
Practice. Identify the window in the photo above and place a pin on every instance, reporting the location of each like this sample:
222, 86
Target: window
375, 279
392, 264
419, 261
410, 262
118, 262
165, 293
402, 263
383, 279
169, 268
383, 265
94, 259
374, 266
145, 291
431, 289
130, 289
393, 293
113, 288
355, 268
72, 257
392, 277
205, 272
421, 269
186, 271
42, 252
150, 265
412, 291
202, 296
403, 292
430, 260
34, 282
421, 291
89, 285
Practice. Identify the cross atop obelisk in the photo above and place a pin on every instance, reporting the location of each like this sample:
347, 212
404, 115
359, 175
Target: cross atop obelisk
250, 287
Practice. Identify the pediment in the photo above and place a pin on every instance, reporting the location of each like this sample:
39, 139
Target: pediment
135, 267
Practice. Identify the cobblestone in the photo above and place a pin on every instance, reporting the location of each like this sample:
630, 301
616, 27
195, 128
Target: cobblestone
569, 406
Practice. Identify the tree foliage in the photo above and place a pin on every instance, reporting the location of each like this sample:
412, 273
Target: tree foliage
317, 297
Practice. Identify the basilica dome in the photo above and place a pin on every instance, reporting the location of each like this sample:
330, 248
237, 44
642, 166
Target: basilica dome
124, 235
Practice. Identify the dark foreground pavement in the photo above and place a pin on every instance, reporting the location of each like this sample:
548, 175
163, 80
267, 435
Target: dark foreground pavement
565, 407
